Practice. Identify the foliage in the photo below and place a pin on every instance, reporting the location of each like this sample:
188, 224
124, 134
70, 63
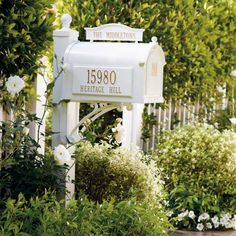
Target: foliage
198, 37
26, 31
103, 173
23, 168
198, 166
101, 129
46, 216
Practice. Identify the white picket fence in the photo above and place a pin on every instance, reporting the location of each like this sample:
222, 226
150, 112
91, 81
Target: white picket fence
175, 115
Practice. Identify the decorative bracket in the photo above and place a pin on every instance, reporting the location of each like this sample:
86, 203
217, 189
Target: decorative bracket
99, 110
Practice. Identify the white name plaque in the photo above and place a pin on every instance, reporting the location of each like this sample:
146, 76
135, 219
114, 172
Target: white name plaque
112, 81
114, 32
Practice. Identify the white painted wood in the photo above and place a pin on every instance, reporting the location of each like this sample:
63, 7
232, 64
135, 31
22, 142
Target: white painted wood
132, 123
114, 32
170, 114
65, 115
37, 107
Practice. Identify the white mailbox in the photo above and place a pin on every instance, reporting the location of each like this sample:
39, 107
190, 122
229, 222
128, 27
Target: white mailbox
127, 72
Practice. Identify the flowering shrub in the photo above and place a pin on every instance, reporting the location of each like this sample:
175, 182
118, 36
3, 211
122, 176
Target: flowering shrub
103, 172
62, 154
188, 219
23, 168
198, 166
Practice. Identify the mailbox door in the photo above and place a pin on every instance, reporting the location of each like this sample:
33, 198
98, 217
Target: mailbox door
154, 76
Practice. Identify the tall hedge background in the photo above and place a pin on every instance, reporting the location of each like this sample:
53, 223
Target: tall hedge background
25, 33
198, 37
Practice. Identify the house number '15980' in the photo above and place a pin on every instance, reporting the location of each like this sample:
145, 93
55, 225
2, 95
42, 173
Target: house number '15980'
101, 77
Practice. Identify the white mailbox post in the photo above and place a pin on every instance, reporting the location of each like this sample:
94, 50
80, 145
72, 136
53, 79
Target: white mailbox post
113, 68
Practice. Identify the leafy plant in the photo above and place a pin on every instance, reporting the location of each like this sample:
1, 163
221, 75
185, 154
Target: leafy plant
46, 216
198, 38
25, 35
103, 173
199, 169
22, 168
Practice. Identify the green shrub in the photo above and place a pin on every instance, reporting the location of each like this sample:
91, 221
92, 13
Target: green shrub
103, 173
26, 32
23, 168
198, 166
46, 216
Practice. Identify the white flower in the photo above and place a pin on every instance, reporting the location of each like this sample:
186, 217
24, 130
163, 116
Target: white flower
191, 215
119, 133
221, 89
169, 214
215, 221
15, 84
216, 225
200, 227
182, 215
233, 120
233, 73
62, 154
25, 131
209, 225
118, 120
204, 216
65, 67
233, 222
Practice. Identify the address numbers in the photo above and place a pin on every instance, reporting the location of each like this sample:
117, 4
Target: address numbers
101, 77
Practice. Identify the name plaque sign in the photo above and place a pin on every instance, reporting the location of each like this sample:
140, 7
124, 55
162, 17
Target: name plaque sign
112, 81
114, 32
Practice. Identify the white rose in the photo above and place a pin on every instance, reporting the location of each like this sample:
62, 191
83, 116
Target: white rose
25, 131
233, 73
233, 120
119, 133
62, 154
15, 84
200, 227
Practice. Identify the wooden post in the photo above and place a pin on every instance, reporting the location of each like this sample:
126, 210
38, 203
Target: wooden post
132, 122
65, 115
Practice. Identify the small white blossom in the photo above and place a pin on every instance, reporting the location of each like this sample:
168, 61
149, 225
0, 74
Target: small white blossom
119, 133
209, 225
233, 73
215, 221
200, 227
221, 89
62, 154
169, 214
119, 120
15, 84
233, 222
25, 131
191, 215
65, 67
233, 120
182, 215
204, 216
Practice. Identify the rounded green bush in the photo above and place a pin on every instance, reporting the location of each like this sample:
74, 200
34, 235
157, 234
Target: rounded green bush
103, 173
198, 166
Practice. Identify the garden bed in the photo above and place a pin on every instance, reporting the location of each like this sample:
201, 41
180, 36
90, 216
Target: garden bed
208, 233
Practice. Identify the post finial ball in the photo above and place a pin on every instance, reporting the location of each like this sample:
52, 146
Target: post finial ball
154, 39
66, 21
